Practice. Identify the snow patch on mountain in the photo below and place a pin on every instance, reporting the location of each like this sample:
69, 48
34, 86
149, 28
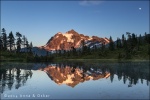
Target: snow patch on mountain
69, 37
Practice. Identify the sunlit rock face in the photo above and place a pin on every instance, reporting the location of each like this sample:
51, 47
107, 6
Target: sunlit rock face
73, 76
65, 41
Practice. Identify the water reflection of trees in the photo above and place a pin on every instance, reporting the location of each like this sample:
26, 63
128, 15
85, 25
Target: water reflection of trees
16, 75
134, 72
13, 78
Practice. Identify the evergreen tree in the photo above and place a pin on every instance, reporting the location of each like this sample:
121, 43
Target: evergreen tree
127, 50
83, 45
95, 48
19, 41
85, 50
1, 43
129, 40
129, 36
123, 39
24, 41
149, 50
103, 47
74, 51
89, 50
134, 40
30, 47
4, 39
125, 44
111, 44
11, 40
147, 38
27, 44
140, 40
118, 43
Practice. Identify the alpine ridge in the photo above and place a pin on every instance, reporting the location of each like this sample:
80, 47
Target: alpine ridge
65, 41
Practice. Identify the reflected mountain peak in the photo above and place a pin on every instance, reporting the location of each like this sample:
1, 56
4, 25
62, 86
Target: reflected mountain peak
73, 76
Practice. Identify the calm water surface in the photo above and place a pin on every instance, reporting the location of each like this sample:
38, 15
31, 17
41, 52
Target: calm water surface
75, 80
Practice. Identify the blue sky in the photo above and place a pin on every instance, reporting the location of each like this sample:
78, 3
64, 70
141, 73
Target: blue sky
39, 20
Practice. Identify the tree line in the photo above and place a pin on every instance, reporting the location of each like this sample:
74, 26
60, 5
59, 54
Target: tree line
125, 48
10, 43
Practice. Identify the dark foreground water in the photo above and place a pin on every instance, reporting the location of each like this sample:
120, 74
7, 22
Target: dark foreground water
75, 80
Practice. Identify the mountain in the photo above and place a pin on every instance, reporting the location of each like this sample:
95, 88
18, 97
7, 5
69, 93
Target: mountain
65, 41
36, 51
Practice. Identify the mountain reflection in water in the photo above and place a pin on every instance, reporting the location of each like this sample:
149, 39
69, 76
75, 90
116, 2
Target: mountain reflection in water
73, 74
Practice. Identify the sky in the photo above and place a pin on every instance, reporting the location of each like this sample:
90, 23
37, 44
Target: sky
40, 20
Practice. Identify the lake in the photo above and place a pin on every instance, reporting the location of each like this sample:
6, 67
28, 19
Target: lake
75, 80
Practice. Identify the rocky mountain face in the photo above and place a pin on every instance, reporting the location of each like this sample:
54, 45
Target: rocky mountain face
65, 41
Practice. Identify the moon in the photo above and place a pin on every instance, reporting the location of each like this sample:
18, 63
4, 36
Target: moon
140, 8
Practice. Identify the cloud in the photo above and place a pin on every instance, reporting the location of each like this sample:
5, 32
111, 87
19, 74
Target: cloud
89, 2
